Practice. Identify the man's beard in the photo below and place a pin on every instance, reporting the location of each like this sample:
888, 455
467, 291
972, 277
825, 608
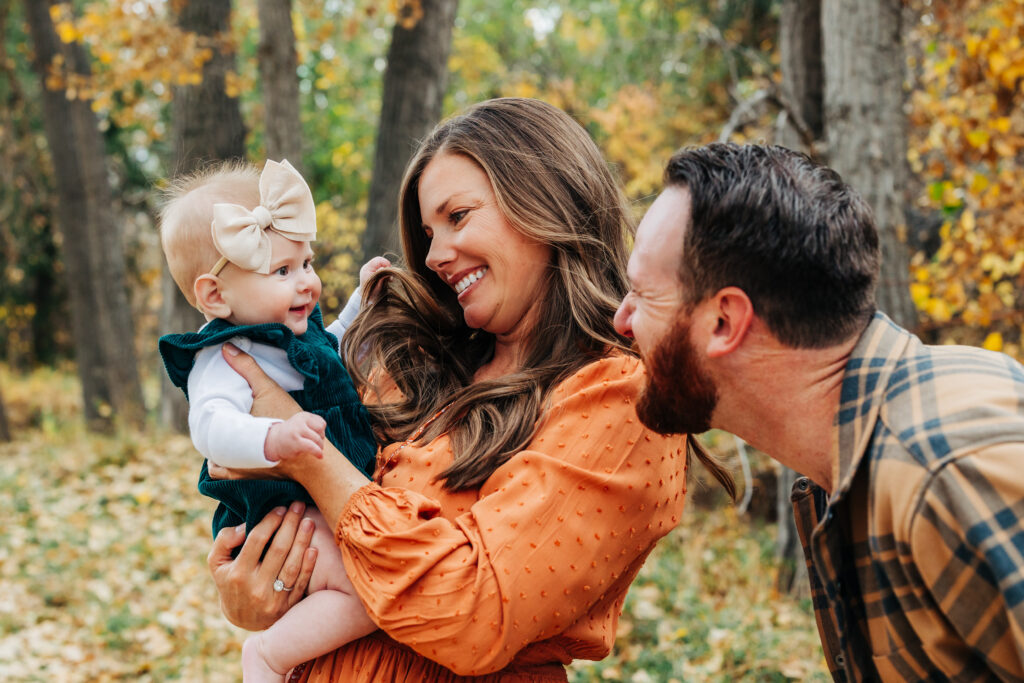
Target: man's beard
680, 395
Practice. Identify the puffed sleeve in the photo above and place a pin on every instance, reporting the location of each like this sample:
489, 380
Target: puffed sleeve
554, 529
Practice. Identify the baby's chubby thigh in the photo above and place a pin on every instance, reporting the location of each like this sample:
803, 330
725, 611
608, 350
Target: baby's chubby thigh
329, 571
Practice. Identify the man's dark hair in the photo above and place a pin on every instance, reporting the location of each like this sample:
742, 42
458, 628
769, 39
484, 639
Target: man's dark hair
787, 231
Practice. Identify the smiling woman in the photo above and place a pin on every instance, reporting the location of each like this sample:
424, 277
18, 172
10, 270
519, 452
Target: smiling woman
497, 272
517, 494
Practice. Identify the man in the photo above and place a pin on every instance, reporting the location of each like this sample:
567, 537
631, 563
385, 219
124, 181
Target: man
752, 304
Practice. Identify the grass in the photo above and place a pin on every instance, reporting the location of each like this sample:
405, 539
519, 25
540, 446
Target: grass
103, 574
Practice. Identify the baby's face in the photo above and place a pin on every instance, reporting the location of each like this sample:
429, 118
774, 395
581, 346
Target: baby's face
285, 295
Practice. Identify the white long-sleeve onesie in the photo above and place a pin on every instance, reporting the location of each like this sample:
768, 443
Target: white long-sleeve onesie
222, 429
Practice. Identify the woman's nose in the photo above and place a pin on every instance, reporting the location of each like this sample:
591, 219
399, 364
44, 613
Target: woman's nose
440, 252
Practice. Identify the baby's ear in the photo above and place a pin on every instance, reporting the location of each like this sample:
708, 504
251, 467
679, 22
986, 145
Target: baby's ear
210, 296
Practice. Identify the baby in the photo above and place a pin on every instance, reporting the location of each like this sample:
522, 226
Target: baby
237, 243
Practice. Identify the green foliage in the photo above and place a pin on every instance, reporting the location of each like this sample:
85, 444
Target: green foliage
643, 77
31, 296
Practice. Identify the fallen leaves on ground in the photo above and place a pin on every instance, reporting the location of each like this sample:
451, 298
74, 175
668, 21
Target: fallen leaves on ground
103, 572
102, 563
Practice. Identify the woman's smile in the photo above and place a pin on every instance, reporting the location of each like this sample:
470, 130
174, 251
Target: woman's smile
468, 280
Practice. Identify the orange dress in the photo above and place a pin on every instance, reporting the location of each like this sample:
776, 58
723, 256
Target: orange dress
514, 580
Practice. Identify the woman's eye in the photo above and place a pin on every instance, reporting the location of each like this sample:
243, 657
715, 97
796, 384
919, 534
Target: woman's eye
456, 216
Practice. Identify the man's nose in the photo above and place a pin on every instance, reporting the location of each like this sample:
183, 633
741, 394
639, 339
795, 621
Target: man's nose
623, 318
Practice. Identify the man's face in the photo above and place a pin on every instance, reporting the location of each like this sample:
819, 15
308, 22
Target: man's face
679, 395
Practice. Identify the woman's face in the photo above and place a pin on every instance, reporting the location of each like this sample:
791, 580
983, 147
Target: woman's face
496, 271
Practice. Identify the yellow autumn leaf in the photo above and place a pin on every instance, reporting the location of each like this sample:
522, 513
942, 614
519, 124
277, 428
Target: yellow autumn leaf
66, 31
993, 342
920, 293
232, 84
938, 310
1014, 267
971, 45
978, 137
967, 221
997, 62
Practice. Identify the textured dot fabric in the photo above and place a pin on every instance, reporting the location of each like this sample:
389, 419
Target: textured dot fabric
514, 580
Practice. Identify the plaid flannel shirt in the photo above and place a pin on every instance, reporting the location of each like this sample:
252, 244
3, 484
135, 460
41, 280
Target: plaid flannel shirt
916, 561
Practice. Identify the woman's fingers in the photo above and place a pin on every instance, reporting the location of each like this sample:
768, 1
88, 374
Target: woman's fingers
246, 583
285, 537
227, 539
269, 399
249, 556
306, 571
246, 366
295, 573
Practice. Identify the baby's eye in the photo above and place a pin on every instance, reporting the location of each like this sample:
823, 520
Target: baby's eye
283, 270
307, 264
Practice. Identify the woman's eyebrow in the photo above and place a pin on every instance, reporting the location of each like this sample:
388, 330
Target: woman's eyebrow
442, 206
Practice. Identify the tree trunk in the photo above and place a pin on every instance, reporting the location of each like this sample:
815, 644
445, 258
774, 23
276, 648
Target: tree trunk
5, 427
802, 69
100, 315
414, 87
278, 64
866, 128
207, 126
803, 88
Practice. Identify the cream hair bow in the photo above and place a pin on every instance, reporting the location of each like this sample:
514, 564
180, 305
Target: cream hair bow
286, 206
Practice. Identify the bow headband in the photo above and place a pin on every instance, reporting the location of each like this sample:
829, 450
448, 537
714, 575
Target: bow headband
286, 207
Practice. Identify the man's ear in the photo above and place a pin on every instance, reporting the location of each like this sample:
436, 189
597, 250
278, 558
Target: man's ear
734, 315
210, 296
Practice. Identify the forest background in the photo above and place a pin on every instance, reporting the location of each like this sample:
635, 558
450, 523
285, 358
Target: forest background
102, 573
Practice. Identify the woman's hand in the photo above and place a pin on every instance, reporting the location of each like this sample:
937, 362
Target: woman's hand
268, 398
246, 584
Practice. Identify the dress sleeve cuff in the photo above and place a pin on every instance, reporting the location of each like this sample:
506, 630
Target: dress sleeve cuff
350, 508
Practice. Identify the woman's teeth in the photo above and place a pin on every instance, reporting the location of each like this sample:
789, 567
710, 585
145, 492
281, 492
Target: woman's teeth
465, 282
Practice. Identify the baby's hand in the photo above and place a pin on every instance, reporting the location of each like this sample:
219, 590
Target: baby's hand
299, 434
371, 267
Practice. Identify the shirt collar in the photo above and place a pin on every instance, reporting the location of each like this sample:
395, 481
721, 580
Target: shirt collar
863, 391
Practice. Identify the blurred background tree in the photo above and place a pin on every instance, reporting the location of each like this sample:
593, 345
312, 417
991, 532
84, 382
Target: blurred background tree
91, 245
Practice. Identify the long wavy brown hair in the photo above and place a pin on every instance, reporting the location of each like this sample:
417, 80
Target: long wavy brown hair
551, 184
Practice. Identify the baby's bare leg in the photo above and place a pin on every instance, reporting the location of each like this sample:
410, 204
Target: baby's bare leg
327, 618
329, 572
